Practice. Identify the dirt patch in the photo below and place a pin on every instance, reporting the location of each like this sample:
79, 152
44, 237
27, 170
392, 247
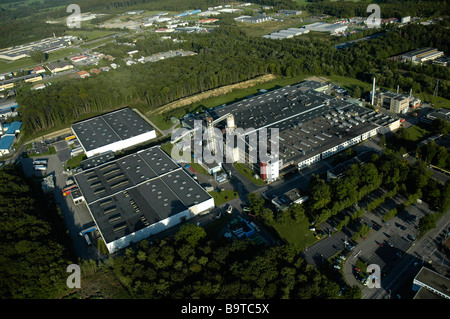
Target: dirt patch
211, 93
318, 79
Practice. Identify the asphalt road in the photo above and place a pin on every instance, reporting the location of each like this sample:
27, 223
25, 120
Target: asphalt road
76, 217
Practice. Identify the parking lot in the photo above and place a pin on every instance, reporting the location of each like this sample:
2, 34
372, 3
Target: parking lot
76, 217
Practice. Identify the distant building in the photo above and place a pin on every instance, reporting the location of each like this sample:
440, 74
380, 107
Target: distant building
83, 74
207, 20
326, 27
39, 86
443, 114
253, 19
422, 55
39, 69
78, 58
292, 196
46, 45
95, 71
291, 12
9, 137
134, 12
405, 19
55, 67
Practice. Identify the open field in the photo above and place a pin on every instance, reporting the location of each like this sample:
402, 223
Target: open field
297, 234
223, 196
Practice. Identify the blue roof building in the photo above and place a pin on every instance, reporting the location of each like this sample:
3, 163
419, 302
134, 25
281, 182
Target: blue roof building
6, 143
13, 128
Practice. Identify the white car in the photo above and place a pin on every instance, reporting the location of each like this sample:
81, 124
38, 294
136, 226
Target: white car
229, 209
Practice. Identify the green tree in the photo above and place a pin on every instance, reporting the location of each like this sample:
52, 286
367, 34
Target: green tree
256, 203
190, 233
38, 56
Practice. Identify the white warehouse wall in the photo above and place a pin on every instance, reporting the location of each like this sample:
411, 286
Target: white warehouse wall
147, 231
120, 145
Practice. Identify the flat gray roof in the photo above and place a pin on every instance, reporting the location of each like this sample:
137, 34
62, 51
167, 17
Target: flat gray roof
434, 281
125, 172
130, 193
110, 128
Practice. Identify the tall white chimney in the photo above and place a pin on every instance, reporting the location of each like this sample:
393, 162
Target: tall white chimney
373, 92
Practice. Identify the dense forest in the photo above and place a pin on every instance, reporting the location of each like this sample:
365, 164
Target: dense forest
191, 266
226, 56
388, 8
33, 253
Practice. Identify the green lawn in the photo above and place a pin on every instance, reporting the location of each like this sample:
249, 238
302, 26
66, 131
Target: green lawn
437, 101
297, 234
221, 197
417, 133
75, 161
248, 173
349, 83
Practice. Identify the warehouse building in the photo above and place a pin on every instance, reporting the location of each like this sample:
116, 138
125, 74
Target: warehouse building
422, 55
45, 45
113, 131
311, 126
326, 27
140, 195
8, 134
55, 67
253, 19
429, 284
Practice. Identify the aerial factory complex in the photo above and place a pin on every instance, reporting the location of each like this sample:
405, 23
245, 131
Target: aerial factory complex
312, 126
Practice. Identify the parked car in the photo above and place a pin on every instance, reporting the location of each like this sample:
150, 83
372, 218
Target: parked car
229, 209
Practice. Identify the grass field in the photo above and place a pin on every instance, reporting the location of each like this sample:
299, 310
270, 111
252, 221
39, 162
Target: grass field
297, 234
417, 133
248, 173
221, 197
349, 83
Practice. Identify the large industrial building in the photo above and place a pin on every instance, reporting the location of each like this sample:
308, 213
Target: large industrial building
422, 55
113, 131
312, 126
394, 102
45, 45
140, 195
326, 27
